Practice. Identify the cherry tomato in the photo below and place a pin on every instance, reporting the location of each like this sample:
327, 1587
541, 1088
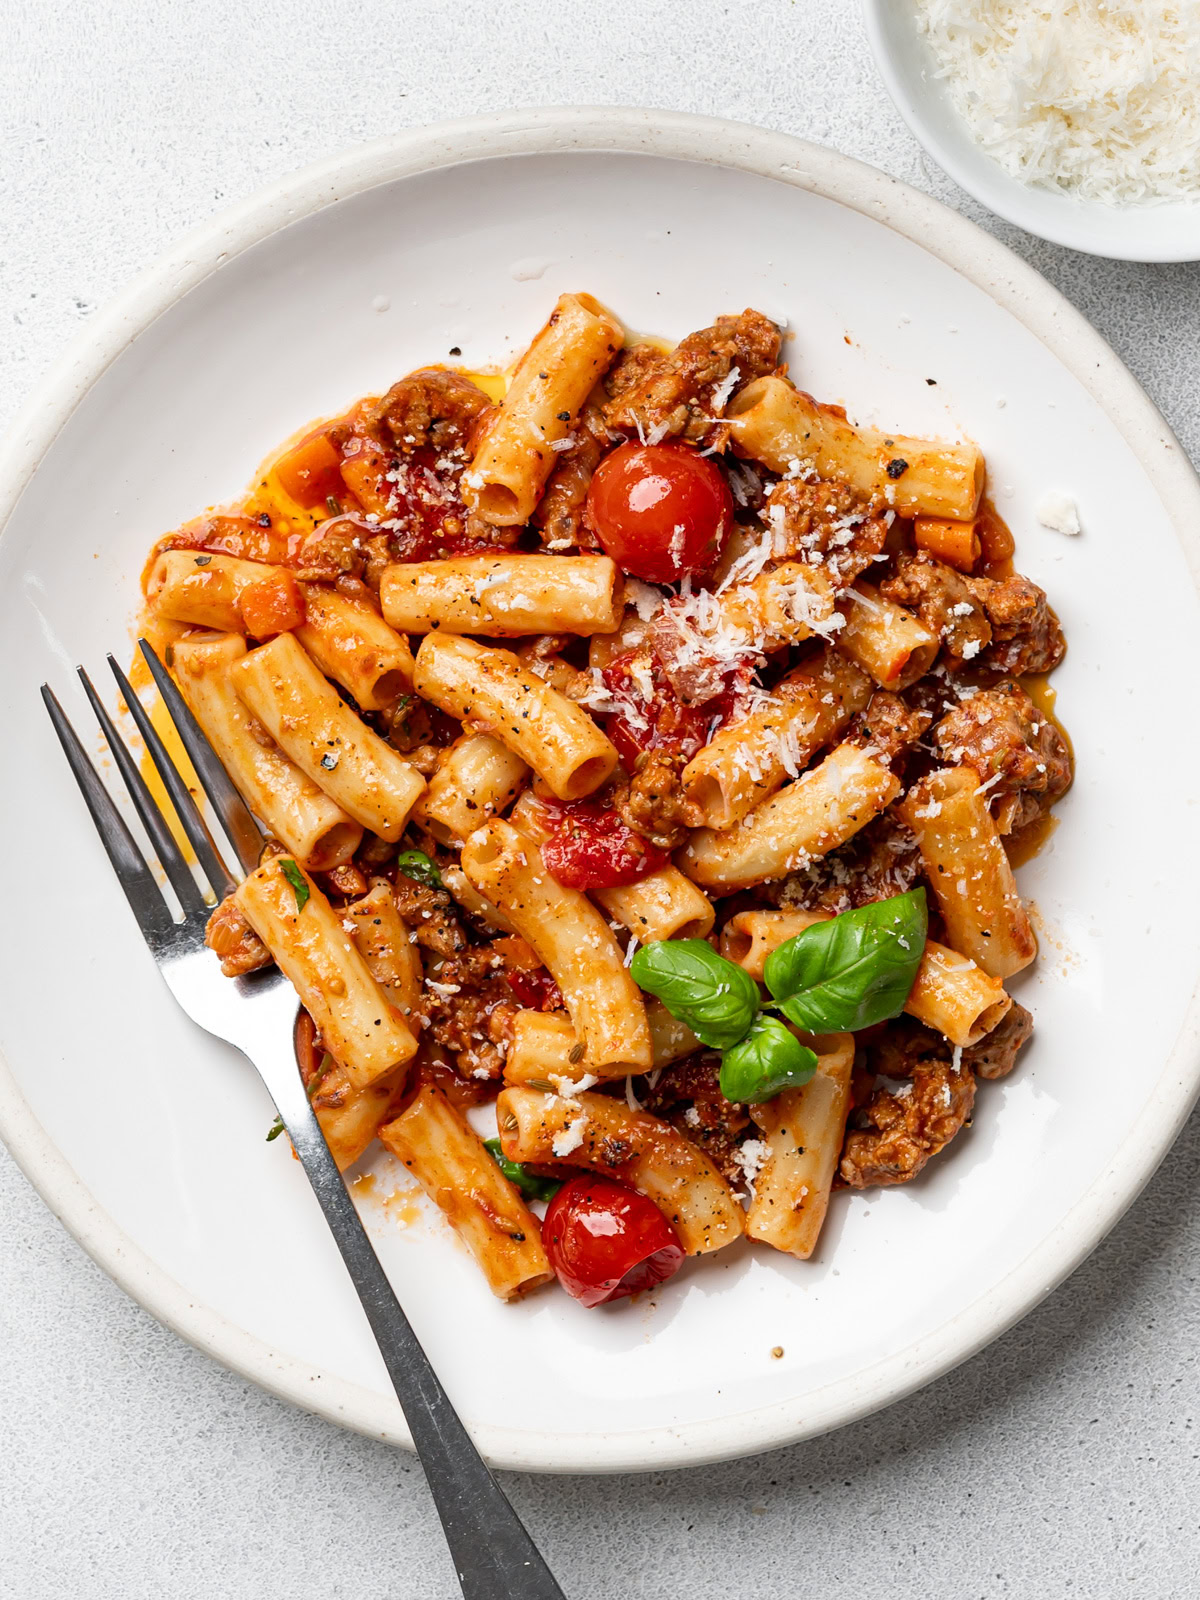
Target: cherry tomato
662, 722
660, 510
534, 991
605, 1240
591, 848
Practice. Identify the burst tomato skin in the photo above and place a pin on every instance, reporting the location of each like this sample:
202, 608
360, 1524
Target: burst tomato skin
661, 723
661, 511
589, 847
606, 1241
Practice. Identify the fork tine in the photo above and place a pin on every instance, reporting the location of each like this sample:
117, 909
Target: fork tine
244, 833
190, 820
145, 899
161, 837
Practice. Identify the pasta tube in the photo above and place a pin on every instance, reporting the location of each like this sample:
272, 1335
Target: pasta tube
778, 425
305, 715
803, 1130
543, 1043
969, 872
475, 778
810, 817
190, 586
492, 690
596, 1131
353, 645
748, 761
566, 360
572, 939
303, 817
504, 595
884, 639
448, 1159
361, 1028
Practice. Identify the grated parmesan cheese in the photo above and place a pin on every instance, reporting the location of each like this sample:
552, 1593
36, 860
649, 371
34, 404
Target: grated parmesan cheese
1096, 98
1059, 511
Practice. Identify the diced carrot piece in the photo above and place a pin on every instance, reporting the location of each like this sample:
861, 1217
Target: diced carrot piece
311, 472
955, 543
363, 474
273, 606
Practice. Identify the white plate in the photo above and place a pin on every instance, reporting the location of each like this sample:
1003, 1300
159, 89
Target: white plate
1162, 231
148, 1138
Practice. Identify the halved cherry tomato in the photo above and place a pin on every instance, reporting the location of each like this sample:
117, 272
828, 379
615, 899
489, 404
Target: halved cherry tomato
605, 1240
275, 605
590, 847
660, 510
311, 472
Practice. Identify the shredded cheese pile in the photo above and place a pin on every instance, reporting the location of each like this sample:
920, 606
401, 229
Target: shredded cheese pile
1099, 98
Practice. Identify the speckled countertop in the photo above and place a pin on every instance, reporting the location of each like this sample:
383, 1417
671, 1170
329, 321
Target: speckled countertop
1063, 1461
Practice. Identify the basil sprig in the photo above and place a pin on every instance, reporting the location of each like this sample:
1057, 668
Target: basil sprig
768, 1060
716, 999
852, 971
529, 1184
835, 977
417, 865
298, 882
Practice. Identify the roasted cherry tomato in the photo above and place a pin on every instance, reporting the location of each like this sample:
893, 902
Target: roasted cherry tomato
605, 1240
660, 722
591, 848
660, 510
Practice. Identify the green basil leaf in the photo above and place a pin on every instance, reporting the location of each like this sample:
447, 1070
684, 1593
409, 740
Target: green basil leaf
297, 880
416, 864
716, 999
769, 1059
529, 1184
854, 970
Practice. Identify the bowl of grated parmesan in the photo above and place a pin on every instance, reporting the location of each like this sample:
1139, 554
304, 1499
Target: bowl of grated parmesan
1078, 120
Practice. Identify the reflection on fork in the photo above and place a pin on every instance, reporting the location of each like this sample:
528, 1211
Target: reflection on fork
493, 1554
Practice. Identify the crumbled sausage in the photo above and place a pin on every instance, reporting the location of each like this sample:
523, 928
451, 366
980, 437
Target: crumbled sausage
231, 937
333, 550
430, 407
1013, 746
995, 1054
898, 1131
828, 521
905, 1042
652, 392
943, 601
881, 861
652, 803
1026, 635
888, 727
561, 512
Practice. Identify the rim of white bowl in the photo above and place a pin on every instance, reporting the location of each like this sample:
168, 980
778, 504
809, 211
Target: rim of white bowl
1018, 288
1162, 232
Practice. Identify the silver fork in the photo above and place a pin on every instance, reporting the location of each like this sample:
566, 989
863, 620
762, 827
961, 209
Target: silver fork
493, 1554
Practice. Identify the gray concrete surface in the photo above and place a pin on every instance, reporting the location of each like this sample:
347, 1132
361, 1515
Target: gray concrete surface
1062, 1462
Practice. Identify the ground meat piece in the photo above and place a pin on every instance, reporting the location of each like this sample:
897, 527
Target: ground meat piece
896, 1133
995, 1054
881, 861
348, 880
1012, 745
333, 550
887, 728
430, 407
431, 914
688, 1096
468, 1010
1026, 636
943, 601
651, 803
561, 511
231, 937
652, 392
829, 520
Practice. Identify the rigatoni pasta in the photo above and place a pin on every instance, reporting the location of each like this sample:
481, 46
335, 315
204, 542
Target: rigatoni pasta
641, 746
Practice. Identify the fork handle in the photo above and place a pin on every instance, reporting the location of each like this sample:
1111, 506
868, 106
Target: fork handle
493, 1555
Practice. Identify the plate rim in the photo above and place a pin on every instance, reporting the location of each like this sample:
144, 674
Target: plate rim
1015, 286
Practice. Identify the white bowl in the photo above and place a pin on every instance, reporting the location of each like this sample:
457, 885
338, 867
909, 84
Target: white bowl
1161, 231
147, 1137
